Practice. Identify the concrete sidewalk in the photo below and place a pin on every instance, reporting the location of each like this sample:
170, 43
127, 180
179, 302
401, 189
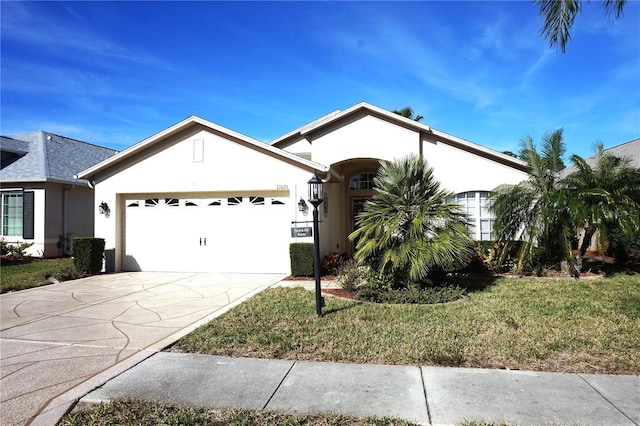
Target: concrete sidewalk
425, 395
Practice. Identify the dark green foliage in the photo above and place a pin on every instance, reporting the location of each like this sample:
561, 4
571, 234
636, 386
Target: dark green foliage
623, 247
428, 295
301, 259
409, 229
88, 254
352, 276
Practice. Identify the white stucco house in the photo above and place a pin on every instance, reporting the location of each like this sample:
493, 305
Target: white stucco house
200, 197
41, 200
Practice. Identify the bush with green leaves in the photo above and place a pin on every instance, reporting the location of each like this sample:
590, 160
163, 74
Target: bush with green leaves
68, 273
352, 276
409, 229
301, 255
88, 254
17, 251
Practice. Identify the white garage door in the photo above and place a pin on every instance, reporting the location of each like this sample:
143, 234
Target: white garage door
225, 234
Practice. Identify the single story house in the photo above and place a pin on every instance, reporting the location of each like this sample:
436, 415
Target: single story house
42, 201
200, 197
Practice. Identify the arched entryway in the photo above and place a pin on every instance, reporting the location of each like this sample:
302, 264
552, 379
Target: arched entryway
356, 188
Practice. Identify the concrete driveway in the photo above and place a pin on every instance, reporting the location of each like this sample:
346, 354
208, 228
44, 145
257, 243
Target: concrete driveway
60, 341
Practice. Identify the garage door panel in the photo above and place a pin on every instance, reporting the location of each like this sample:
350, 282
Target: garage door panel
232, 234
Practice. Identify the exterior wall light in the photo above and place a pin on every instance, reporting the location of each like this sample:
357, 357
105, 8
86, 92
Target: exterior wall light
103, 208
315, 198
302, 206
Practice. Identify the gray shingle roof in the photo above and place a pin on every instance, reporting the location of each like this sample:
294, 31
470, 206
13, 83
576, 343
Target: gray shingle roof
43, 156
629, 150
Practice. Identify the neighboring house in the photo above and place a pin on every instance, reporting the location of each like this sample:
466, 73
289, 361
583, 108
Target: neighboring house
200, 197
42, 201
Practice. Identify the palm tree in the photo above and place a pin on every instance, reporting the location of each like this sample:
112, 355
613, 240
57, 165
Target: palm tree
607, 196
409, 229
407, 112
536, 210
559, 16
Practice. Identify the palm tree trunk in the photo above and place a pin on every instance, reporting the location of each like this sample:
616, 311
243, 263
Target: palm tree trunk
586, 240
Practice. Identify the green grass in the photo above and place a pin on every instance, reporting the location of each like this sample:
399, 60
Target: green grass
590, 326
135, 412
21, 276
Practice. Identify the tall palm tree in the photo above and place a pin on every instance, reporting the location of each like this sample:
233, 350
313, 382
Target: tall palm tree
559, 16
407, 112
536, 209
607, 196
408, 228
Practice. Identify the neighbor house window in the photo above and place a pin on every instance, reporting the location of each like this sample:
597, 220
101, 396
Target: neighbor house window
12, 214
480, 220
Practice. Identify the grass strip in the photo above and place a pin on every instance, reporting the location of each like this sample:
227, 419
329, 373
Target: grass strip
21, 276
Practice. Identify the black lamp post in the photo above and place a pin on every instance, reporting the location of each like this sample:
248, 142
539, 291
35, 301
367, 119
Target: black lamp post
315, 198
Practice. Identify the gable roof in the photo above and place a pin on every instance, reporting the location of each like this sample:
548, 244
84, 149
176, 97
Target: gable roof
197, 121
46, 157
363, 107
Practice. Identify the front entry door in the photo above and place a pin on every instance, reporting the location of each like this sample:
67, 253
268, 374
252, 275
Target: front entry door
357, 207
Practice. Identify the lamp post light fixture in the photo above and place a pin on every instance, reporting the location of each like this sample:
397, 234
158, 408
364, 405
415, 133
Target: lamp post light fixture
315, 198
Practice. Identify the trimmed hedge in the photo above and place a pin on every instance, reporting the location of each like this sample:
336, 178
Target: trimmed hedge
301, 255
87, 254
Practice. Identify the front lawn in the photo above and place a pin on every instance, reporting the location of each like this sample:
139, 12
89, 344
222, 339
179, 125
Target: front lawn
16, 276
590, 326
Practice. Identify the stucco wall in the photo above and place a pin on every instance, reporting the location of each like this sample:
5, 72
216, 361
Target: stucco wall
365, 137
226, 167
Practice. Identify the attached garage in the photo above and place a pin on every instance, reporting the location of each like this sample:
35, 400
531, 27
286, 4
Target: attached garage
207, 233
200, 198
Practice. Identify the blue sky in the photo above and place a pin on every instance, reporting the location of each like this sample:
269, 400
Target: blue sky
115, 73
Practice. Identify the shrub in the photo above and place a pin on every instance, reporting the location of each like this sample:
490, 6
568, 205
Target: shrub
87, 254
68, 273
14, 250
352, 276
428, 295
331, 263
301, 259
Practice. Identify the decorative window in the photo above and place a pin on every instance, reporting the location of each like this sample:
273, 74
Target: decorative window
480, 220
275, 202
189, 203
215, 203
151, 202
135, 203
12, 214
362, 181
257, 201
234, 201
172, 202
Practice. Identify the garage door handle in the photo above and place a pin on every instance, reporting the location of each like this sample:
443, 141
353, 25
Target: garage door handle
200, 240
205, 241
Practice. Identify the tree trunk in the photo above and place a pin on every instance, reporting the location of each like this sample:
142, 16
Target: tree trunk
586, 240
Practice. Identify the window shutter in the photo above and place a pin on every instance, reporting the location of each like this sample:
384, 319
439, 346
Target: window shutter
27, 216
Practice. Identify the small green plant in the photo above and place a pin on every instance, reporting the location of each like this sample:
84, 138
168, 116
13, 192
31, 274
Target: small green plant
352, 276
88, 254
67, 273
17, 251
301, 259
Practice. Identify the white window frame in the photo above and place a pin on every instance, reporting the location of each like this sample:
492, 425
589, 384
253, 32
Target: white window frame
18, 216
480, 221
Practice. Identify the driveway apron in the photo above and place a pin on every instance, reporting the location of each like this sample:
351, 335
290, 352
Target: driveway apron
58, 342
